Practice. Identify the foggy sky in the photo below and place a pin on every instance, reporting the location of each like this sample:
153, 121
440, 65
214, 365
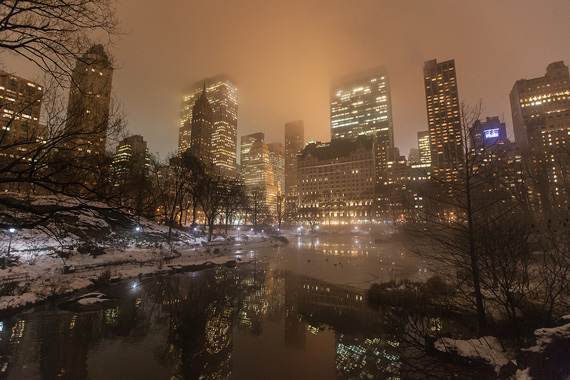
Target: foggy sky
284, 55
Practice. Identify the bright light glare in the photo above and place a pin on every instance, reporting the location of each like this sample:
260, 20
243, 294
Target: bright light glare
12, 230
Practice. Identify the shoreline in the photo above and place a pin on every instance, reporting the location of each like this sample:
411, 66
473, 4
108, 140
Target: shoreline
56, 282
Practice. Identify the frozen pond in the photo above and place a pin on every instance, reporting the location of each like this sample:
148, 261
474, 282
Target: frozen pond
296, 312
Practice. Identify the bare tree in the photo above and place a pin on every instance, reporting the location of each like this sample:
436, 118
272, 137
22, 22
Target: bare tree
457, 212
54, 34
212, 195
234, 200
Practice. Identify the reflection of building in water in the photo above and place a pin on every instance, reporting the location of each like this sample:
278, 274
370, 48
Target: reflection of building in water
263, 298
344, 308
218, 328
366, 358
294, 325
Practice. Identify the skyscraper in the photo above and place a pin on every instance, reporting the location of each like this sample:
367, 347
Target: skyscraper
424, 148
20, 131
540, 107
88, 109
541, 119
245, 145
277, 161
131, 161
259, 174
222, 95
361, 104
20, 105
444, 122
294, 144
202, 127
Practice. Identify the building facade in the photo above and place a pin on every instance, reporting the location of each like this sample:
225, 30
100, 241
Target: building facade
444, 120
20, 131
361, 104
245, 145
89, 104
131, 159
424, 148
223, 98
277, 160
259, 176
20, 102
336, 181
294, 144
541, 121
539, 105
202, 129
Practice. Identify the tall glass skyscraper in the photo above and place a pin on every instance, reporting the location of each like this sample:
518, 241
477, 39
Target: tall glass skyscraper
444, 121
361, 104
223, 98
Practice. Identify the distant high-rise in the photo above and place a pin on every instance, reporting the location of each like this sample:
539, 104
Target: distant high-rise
444, 122
20, 130
88, 109
244, 147
277, 160
202, 126
541, 121
489, 133
361, 104
222, 95
20, 106
131, 161
414, 156
424, 148
258, 173
294, 144
540, 107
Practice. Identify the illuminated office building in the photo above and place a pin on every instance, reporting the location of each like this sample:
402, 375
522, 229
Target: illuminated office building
294, 144
444, 122
540, 107
131, 161
202, 128
20, 130
223, 98
541, 121
424, 148
490, 133
20, 106
88, 109
258, 174
337, 180
277, 160
361, 104
244, 147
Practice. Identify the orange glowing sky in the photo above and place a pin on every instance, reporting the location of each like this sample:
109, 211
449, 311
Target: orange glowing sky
283, 55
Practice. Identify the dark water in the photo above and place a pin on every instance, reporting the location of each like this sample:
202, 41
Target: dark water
256, 321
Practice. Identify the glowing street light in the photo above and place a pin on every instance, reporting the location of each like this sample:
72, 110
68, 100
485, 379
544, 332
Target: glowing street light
11, 230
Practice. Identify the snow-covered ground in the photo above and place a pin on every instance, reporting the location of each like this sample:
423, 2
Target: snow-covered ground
70, 251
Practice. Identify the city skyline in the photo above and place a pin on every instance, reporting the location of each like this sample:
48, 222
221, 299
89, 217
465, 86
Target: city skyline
490, 55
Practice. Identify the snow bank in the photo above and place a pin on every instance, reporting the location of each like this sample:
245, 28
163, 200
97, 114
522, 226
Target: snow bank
545, 336
487, 348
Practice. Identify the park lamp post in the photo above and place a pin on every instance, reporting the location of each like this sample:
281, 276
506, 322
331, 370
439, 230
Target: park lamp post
138, 230
11, 230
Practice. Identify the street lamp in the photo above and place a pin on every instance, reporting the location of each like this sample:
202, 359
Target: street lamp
11, 230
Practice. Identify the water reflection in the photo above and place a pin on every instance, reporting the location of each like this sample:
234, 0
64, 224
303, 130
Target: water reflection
187, 326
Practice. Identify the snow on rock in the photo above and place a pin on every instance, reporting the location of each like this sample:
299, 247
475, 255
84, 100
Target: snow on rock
487, 348
545, 336
523, 375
